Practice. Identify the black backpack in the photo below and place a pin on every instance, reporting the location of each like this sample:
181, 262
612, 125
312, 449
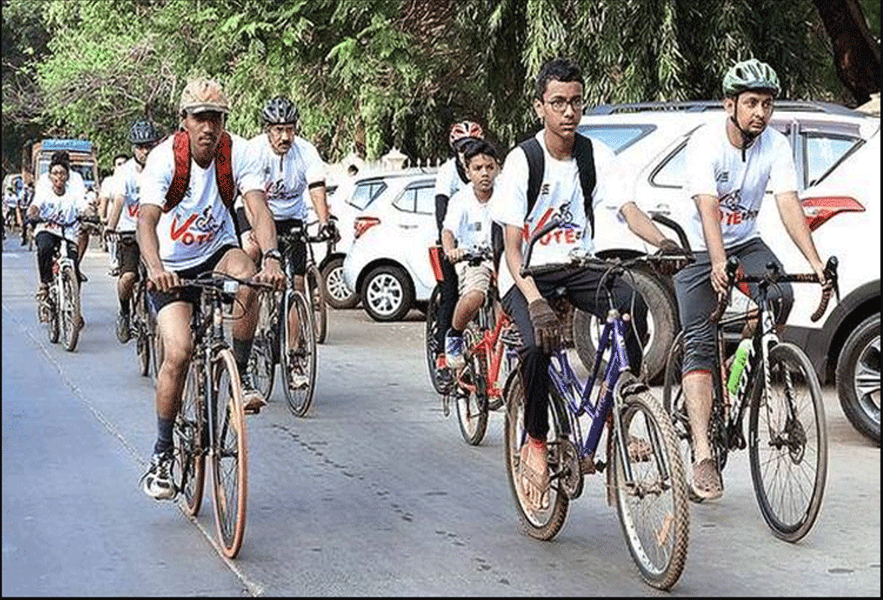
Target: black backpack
536, 163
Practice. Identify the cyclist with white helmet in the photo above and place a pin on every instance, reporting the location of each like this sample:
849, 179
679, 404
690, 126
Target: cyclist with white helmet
123, 218
451, 178
729, 167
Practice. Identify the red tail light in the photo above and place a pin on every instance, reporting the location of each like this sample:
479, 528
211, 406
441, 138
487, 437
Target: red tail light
819, 210
363, 224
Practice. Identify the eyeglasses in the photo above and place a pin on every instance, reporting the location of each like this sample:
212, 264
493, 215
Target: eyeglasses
559, 104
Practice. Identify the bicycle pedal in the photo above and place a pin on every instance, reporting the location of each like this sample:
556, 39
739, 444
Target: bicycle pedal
587, 465
599, 466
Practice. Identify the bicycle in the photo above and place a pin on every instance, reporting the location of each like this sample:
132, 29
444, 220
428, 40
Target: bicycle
211, 419
60, 308
274, 342
778, 440
315, 285
488, 340
648, 485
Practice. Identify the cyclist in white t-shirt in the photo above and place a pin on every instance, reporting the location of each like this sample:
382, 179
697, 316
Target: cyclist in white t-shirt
558, 103
106, 193
450, 178
123, 218
729, 167
467, 228
191, 237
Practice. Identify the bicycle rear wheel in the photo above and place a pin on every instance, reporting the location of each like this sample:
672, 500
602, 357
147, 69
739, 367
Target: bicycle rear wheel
297, 352
431, 330
229, 454
189, 435
788, 444
317, 303
542, 524
652, 506
70, 309
260, 362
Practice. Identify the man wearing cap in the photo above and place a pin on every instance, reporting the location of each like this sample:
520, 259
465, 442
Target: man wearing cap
185, 227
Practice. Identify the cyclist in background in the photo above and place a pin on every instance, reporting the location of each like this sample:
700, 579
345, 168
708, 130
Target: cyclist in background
106, 193
123, 218
450, 178
729, 166
185, 228
60, 203
467, 228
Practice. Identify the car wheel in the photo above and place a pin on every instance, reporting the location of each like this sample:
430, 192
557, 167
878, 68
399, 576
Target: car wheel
337, 292
387, 294
662, 324
858, 378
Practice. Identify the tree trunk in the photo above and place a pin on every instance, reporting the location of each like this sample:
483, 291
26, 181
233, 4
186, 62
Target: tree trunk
856, 54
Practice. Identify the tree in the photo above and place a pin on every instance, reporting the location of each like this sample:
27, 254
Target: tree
856, 53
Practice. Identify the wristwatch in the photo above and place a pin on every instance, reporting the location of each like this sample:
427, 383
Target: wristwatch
273, 253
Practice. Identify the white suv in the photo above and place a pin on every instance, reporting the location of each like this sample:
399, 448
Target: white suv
837, 154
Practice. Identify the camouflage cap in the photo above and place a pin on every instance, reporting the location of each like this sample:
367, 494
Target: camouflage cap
202, 95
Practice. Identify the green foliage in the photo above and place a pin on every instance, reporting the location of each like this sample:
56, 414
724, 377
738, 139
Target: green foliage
368, 75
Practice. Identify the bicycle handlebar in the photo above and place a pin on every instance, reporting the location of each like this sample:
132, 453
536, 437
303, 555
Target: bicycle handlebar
78, 218
773, 275
476, 258
225, 284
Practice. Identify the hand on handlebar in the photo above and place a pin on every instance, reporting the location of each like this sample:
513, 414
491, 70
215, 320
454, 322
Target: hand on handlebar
163, 280
719, 280
328, 231
454, 255
667, 248
271, 274
546, 325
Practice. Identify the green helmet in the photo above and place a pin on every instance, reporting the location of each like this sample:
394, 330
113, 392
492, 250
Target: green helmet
750, 74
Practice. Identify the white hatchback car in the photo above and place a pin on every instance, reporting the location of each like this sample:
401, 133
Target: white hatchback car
388, 262
837, 155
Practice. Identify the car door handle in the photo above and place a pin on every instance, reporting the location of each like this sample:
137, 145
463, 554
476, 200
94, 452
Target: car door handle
406, 226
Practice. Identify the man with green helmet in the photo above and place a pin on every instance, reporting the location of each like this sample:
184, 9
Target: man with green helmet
729, 168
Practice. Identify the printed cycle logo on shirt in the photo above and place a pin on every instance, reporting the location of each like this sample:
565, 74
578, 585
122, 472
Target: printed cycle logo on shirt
197, 229
736, 213
569, 233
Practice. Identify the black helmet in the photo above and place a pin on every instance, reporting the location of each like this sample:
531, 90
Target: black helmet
279, 110
143, 132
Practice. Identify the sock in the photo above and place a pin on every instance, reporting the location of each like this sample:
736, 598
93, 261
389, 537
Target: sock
164, 435
124, 307
241, 352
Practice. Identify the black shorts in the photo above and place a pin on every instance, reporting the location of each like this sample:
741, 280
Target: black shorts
128, 255
187, 294
299, 247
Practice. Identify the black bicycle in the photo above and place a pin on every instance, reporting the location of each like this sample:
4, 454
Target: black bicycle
211, 420
778, 388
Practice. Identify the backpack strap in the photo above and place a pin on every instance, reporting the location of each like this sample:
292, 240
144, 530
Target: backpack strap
585, 164
181, 178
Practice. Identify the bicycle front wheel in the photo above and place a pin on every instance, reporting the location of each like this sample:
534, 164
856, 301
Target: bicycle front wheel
652, 503
543, 524
297, 350
260, 362
70, 309
189, 436
229, 454
472, 404
788, 443
317, 303
143, 340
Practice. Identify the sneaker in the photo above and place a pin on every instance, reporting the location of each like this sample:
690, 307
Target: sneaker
114, 272
124, 329
253, 399
454, 351
157, 482
297, 380
443, 373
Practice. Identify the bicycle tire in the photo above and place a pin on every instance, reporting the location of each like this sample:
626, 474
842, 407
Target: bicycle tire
260, 361
430, 331
790, 443
142, 341
189, 435
70, 309
300, 360
53, 324
674, 403
317, 303
659, 491
542, 524
229, 454
472, 406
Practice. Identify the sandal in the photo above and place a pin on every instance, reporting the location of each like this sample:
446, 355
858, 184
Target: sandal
639, 449
706, 480
531, 479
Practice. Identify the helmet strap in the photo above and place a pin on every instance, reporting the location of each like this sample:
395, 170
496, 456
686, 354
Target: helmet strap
747, 137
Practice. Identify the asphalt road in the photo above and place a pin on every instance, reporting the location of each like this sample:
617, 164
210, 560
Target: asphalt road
374, 493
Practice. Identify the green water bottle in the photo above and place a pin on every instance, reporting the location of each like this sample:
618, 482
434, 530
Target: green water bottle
739, 362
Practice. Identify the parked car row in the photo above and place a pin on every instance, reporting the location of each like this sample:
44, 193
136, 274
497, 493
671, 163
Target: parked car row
387, 220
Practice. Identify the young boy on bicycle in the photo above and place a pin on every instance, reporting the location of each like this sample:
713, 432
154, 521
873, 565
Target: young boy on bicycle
467, 229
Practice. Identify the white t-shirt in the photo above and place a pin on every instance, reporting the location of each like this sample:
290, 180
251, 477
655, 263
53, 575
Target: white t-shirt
560, 193
128, 184
60, 209
469, 220
201, 223
447, 180
287, 178
715, 168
